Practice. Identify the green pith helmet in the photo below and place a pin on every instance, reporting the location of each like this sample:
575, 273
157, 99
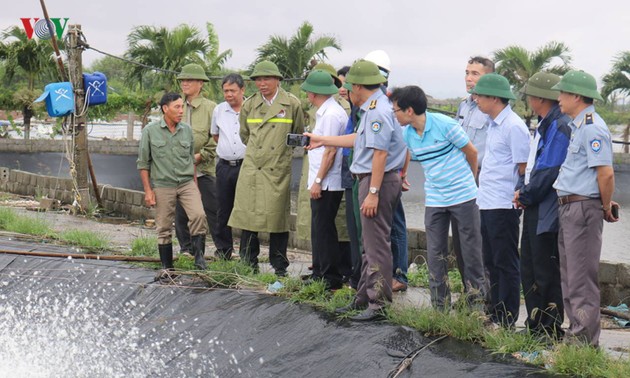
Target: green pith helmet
364, 72
319, 82
192, 72
266, 68
580, 83
494, 85
331, 70
540, 86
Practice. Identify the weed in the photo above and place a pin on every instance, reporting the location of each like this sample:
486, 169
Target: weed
89, 240
144, 246
579, 361
13, 222
504, 341
419, 277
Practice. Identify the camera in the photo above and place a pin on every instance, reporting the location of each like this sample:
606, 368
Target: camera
297, 140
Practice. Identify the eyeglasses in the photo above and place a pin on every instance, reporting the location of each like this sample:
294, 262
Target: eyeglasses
396, 110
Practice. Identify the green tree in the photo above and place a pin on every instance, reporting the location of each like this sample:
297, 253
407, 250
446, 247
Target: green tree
164, 49
518, 64
30, 60
214, 62
294, 56
618, 79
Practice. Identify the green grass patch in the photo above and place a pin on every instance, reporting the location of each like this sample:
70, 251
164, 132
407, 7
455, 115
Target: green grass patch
144, 246
21, 224
419, 277
580, 361
89, 240
504, 341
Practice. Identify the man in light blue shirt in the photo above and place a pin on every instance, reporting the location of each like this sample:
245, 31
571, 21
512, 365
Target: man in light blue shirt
502, 172
449, 160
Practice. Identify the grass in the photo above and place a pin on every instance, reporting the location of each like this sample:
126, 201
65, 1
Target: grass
92, 241
144, 246
13, 222
419, 277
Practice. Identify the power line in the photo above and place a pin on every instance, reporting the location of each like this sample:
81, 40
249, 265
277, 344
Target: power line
87, 46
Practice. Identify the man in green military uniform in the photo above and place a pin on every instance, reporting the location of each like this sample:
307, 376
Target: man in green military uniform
263, 197
198, 114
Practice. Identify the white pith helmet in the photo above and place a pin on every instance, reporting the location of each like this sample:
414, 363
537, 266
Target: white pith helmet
380, 58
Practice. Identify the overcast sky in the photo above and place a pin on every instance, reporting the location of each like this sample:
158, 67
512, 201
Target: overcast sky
429, 42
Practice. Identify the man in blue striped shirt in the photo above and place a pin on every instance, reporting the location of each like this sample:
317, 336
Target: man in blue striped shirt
449, 161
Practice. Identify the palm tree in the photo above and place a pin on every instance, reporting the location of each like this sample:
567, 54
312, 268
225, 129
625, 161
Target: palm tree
294, 56
618, 79
215, 61
518, 64
29, 59
164, 49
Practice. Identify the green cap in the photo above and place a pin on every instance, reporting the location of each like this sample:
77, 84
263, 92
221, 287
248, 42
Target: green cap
364, 72
192, 72
580, 83
540, 86
331, 70
348, 86
494, 85
319, 82
266, 68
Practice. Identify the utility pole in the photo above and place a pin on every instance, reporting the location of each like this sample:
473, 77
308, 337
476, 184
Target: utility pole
78, 120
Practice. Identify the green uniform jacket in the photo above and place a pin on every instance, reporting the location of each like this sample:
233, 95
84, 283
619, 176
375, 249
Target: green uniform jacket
205, 145
304, 195
263, 197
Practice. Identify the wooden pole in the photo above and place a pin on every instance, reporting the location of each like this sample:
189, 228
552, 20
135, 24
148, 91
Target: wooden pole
53, 39
75, 68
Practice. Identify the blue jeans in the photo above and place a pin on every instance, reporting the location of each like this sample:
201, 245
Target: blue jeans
399, 244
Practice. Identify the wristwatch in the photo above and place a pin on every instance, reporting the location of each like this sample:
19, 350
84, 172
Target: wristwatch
373, 190
318, 180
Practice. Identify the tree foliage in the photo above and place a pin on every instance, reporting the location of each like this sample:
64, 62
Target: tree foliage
294, 55
618, 79
518, 64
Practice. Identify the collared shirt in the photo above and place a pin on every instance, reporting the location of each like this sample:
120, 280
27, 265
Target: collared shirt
270, 102
507, 145
590, 147
198, 114
378, 129
449, 180
330, 120
226, 125
475, 124
168, 156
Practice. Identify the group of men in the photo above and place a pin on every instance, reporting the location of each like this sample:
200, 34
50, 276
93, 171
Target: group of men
479, 168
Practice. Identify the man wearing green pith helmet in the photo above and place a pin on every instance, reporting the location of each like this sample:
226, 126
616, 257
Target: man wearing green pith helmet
585, 187
263, 197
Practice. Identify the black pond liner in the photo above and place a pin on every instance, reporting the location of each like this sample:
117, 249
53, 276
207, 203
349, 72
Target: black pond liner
188, 332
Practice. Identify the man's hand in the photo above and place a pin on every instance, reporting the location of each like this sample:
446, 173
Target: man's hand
316, 191
149, 198
608, 215
197, 158
315, 141
370, 205
517, 204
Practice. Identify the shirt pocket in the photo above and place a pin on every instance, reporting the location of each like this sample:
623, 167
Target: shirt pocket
158, 148
574, 148
183, 148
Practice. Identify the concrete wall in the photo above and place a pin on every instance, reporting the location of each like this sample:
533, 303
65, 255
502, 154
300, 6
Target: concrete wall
614, 277
115, 147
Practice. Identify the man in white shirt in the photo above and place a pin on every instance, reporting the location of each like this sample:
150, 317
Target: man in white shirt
502, 172
231, 151
324, 178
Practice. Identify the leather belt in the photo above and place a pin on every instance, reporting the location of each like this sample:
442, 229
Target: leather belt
573, 198
361, 176
233, 163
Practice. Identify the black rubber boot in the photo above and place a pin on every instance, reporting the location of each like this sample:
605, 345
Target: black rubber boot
166, 256
199, 251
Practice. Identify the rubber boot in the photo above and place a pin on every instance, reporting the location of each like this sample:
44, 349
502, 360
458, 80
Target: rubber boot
199, 251
166, 256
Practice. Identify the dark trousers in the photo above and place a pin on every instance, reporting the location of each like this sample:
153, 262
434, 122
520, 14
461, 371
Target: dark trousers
227, 176
208, 190
324, 238
499, 231
399, 244
355, 238
278, 242
540, 276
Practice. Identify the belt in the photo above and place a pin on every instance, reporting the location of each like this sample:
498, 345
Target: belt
361, 176
233, 163
573, 198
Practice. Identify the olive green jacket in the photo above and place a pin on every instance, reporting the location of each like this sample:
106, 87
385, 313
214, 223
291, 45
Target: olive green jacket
263, 197
200, 121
